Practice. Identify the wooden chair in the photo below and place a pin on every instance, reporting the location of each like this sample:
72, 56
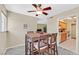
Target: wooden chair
40, 47
27, 45
53, 44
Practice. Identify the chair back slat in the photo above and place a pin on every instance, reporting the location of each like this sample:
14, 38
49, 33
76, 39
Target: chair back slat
53, 37
53, 43
41, 43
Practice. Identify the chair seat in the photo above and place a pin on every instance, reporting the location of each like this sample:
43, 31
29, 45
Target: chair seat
53, 42
42, 46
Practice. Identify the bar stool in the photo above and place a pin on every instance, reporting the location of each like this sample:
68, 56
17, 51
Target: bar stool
40, 47
27, 45
53, 43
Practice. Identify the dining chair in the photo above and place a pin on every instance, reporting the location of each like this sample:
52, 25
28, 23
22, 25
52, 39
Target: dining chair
53, 44
40, 47
27, 45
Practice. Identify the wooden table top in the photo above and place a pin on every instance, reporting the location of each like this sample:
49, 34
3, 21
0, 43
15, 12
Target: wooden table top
31, 35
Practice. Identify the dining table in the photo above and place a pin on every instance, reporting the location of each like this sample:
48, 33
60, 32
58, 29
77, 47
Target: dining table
29, 38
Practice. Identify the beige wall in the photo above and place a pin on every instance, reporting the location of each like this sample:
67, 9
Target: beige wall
3, 36
52, 25
2, 42
16, 32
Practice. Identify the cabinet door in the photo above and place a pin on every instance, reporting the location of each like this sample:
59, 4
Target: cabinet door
63, 36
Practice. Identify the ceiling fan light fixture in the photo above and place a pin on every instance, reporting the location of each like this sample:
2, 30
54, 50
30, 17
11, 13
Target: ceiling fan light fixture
39, 12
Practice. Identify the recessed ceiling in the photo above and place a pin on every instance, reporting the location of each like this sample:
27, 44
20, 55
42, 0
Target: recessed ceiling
56, 9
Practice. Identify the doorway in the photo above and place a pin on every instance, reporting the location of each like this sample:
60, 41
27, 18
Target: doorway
43, 27
63, 30
69, 33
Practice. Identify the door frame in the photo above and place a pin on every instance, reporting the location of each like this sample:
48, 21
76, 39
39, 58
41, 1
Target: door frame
58, 38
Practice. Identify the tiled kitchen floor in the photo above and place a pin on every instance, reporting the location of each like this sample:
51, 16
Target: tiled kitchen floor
69, 44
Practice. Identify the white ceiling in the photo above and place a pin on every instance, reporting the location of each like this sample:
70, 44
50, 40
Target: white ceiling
56, 8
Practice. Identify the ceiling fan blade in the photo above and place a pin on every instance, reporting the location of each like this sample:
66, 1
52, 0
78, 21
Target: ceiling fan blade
34, 5
31, 11
39, 5
45, 13
47, 8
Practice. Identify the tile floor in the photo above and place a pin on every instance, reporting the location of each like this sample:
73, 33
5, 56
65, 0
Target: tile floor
69, 44
21, 51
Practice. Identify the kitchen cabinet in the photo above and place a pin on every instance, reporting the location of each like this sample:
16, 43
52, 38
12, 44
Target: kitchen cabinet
63, 36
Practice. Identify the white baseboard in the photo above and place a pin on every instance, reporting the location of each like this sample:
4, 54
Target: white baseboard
4, 52
12, 47
15, 46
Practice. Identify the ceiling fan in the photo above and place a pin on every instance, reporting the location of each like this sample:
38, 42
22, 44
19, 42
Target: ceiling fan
40, 10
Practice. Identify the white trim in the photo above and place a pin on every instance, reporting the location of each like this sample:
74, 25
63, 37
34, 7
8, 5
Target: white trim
4, 51
77, 34
58, 37
13, 47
